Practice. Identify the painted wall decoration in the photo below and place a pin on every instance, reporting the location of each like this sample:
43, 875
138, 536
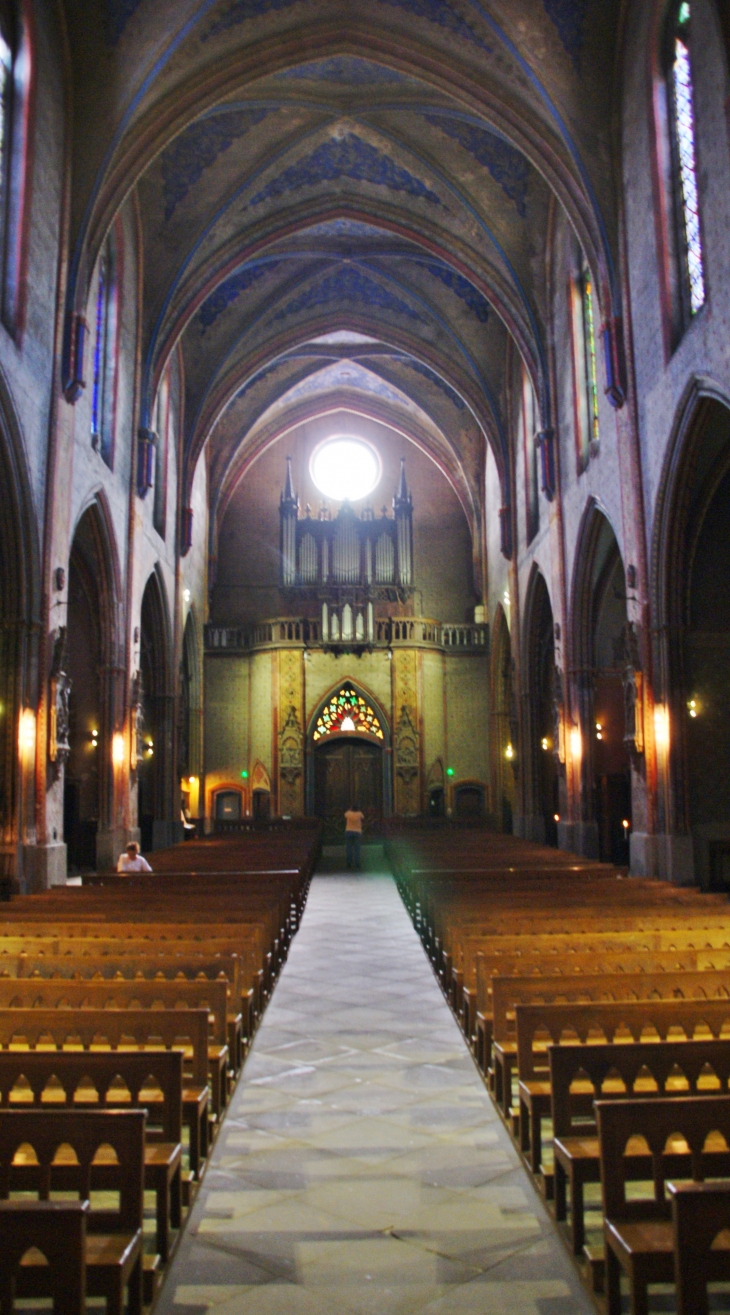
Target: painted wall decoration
505, 163
345, 157
406, 746
569, 18
185, 160
343, 70
291, 733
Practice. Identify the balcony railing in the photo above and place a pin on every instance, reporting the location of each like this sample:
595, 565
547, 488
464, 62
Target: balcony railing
348, 632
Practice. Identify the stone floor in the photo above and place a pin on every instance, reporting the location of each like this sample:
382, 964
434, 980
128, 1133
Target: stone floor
361, 1167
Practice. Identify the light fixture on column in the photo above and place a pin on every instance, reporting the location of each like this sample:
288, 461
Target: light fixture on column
118, 749
576, 744
26, 734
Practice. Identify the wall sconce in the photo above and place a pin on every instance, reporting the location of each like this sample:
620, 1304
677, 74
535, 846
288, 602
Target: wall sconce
626, 826
556, 817
576, 744
509, 753
693, 707
599, 730
187, 595
149, 746
26, 733
545, 743
118, 749
95, 739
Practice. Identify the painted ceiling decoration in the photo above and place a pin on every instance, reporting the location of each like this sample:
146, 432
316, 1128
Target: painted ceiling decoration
198, 147
307, 168
345, 157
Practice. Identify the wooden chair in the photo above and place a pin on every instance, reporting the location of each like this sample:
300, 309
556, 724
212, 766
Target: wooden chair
638, 1232
701, 1232
58, 1230
114, 1257
153, 1082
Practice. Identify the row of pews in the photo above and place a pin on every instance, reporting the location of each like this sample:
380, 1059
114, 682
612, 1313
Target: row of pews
127, 1006
598, 1010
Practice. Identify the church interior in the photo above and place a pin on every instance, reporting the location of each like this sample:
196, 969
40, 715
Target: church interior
365, 450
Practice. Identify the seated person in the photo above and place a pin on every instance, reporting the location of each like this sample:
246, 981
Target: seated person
131, 860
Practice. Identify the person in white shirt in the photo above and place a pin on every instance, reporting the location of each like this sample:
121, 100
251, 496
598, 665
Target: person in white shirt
131, 860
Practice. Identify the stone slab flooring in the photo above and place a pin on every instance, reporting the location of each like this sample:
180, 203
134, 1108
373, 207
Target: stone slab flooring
362, 1167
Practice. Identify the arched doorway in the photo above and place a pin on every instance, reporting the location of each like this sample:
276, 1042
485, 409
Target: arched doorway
347, 758
693, 572
88, 799
504, 726
544, 803
158, 818
189, 732
601, 643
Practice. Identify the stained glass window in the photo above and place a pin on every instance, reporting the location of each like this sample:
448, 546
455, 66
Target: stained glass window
347, 711
589, 348
105, 354
683, 133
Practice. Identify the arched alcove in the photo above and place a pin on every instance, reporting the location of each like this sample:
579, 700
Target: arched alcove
156, 805
348, 759
600, 638
93, 644
542, 783
503, 725
693, 604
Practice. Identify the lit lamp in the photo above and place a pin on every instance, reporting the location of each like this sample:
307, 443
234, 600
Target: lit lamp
661, 727
599, 730
509, 753
576, 744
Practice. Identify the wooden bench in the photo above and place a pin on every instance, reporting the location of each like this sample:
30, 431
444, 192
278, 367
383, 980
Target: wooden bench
700, 1212
592, 988
539, 1025
114, 1236
638, 1232
58, 1230
127, 1030
580, 1075
152, 1081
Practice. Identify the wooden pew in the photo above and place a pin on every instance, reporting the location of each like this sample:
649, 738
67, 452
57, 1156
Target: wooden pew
58, 1230
114, 1237
579, 1024
153, 1081
580, 1075
638, 1233
150, 967
700, 1213
598, 988
139, 1029
35, 993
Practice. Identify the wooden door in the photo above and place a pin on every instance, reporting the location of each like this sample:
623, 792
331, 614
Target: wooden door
347, 772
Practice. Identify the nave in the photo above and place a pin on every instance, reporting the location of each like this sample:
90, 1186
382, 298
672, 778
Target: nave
362, 1166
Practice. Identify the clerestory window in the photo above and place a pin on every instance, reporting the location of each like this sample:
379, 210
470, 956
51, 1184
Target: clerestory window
103, 399
680, 100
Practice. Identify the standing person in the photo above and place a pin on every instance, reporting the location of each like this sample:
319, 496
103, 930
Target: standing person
131, 860
353, 835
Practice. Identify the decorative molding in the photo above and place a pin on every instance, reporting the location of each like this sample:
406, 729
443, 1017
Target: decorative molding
459, 285
348, 283
229, 291
197, 148
508, 166
346, 157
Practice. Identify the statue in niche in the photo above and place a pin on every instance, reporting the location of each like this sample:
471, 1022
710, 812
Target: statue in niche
406, 747
59, 747
136, 717
291, 747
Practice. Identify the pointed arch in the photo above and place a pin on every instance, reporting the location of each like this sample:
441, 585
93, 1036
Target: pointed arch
156, 775
540, 747
379, 744
503, 724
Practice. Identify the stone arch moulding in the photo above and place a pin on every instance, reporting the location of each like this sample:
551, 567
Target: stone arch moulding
669, 569
537, 595
384, 720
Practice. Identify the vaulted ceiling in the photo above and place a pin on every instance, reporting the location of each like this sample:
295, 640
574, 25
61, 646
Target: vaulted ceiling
345, 205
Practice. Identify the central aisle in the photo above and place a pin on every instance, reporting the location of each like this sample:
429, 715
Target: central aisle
362, 1167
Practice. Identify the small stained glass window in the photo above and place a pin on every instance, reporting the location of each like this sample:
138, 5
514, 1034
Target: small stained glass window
589, 347
347, 712
685, 159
